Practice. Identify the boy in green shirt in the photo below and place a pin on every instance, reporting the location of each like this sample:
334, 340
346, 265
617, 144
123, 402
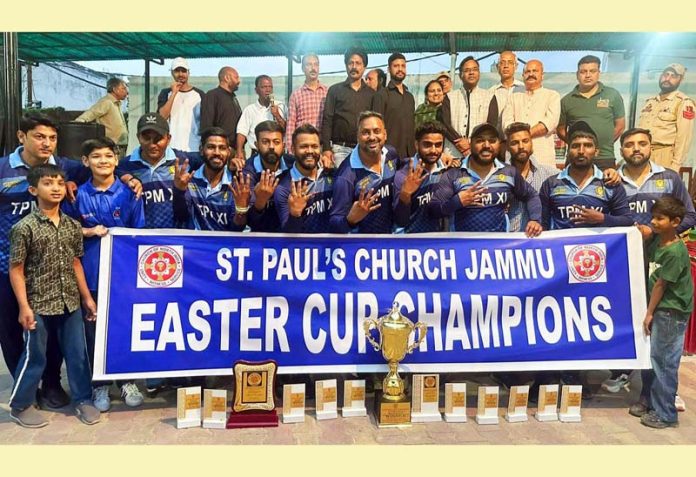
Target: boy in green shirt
671, 301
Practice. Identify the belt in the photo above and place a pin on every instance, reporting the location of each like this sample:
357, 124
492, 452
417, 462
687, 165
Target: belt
344, 144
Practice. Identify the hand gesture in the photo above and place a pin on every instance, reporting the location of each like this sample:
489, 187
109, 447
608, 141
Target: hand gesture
327, 160
176, 86
181, 175
241, 190
473, 195
90, 309
611, 178
462, 145
414, 179
275, 111
236, 164
366, 203
71, 191
26, 319
264, 189
645, 231
587, 216
533, 229
136, 186
298, 198
96, 231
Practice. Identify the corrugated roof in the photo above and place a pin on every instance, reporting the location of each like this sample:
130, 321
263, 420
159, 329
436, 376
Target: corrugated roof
140, 45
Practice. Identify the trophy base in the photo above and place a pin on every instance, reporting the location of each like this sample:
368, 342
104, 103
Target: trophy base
239, 420
392, 413
452, 417
516, 417
567, 417
486, 420
213, 424
546, 416
354, 412
426, 417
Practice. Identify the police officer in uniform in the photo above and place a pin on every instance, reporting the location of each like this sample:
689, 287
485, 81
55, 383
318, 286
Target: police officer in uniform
670, 118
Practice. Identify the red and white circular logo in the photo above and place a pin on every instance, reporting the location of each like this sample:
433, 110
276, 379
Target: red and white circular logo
586, 262
160, 266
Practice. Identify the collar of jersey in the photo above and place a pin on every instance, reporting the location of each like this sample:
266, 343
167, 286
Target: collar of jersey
296, 175
356, 163
168, 156
654, 169
439, 166
258, 166
226, 177
496, 165
597, 174
16, 159
91, 190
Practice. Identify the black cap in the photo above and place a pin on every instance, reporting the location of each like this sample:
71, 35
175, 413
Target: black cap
481, 128
153, 122
581, 128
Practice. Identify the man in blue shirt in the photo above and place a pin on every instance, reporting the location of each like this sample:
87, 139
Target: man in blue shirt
645, 181
264, 168
153, 164
363, 189
38, 136
478, 193
304, 193
578, 197
209, 199
415, 182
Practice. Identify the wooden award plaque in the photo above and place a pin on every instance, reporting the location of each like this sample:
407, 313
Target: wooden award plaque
254, 405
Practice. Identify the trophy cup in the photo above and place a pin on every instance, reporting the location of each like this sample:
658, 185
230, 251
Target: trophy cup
392, 405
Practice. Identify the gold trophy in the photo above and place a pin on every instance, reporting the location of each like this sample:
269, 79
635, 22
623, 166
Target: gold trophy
393, 407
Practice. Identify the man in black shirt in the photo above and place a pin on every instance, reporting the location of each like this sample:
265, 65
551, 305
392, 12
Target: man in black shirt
344, 103
398, 106
220, 107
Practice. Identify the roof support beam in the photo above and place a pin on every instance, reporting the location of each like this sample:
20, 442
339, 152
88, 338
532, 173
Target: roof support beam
635, 77
11, 90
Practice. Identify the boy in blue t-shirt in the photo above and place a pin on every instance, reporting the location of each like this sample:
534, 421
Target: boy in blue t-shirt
101, 203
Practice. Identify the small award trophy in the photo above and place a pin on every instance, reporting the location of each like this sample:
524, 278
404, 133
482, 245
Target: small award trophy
455, 402
293, 403
426, 398
214, 408
487, 412
354, 398
188, 407
326, 397
548, 401
517, 406
571, 400
392, 405
253, 395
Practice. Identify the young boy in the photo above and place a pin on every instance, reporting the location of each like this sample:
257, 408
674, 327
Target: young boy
101, 203
48, 281
671, 301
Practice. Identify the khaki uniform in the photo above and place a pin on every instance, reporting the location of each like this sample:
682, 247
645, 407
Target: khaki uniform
671, 124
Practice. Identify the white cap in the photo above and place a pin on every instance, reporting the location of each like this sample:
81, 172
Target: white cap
180, 62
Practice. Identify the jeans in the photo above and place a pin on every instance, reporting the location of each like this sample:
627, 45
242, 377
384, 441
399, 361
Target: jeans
666, 346
71, 338
340, 153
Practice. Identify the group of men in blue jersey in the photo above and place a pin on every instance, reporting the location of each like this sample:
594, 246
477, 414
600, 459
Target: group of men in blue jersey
374, 191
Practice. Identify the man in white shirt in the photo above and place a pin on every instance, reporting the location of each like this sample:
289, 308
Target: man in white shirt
264, 109
507, 67
465, 108
180, 105
540, 108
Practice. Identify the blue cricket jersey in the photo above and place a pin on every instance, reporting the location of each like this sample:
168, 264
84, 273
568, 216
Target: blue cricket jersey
659, 183
416, 218
158, 184
560, 195
351, 178
202, 207
15, 200
503, 183
114, 207
267, 219
315, 217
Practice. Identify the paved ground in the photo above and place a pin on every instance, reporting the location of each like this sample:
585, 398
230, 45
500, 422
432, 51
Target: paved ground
605, 420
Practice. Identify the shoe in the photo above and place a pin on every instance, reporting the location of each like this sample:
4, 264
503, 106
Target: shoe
615, 385
87, 413
131, 395
53, 398
650, 419
29, 417
153, 391
587, 392
679, 403
101, 399
638, 409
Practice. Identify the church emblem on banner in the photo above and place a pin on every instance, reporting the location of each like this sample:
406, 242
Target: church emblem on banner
160, 266
586, 263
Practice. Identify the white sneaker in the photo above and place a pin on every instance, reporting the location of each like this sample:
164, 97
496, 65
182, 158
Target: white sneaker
679, 403
101, 399
615, 385
131, 395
